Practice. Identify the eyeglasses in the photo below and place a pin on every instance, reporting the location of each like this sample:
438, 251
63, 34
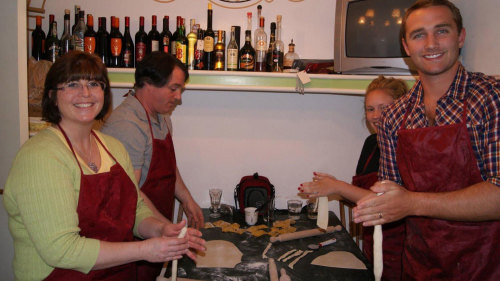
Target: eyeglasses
75, 86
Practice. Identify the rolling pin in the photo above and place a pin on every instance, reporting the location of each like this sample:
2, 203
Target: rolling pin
304, 233
273, 270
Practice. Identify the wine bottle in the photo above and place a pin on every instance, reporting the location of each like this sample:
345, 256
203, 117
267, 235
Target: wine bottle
175, 35
219, 53
165, 36
66, 36
89, 40
38, 40
272, 39
289, 58
52, 43
260, 43
192, 38
181, 44
116, 43
232, 52
128, 46
199, 55
277, 49
77, 18
153, 37
102, 41
141, 40
79, 33
208, 41
247, 53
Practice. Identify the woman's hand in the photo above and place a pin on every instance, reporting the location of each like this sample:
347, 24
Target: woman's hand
322, 185
194, 240
193, 213
161, 249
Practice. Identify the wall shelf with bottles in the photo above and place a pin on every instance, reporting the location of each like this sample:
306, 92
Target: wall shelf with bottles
260, 82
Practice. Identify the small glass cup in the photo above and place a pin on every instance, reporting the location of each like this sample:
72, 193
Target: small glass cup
268, 212
215, 196
312, 210
294, 209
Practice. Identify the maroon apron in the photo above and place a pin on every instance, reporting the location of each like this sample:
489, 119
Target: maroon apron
106, 211
441, 159
159, 186
393, 233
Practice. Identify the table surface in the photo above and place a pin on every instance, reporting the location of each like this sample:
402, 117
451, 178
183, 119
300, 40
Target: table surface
254, 267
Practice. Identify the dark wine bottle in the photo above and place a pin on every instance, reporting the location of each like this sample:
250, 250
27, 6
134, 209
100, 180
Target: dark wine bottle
198, 51
141, 40
165, 36
174, 36
116, 43
77, 18
52, 42
128, 46
38, 40
181, 44
89, 39
153, 37
66, 36
269, 55
208, 44
247, 53
102, 42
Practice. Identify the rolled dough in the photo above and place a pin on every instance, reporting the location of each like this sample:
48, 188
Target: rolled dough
322, 220
339, 259
219, 253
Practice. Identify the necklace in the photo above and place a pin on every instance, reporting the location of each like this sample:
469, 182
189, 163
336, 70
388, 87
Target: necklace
90, 163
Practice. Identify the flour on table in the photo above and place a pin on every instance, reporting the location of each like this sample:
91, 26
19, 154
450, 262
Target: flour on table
340, 259
219, 253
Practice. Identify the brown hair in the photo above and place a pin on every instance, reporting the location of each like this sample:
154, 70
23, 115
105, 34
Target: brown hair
420, 4
73, 66
396, 88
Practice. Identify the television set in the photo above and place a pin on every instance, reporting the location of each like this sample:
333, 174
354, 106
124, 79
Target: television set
367, 37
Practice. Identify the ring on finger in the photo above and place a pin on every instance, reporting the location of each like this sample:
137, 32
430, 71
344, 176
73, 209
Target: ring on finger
380, 215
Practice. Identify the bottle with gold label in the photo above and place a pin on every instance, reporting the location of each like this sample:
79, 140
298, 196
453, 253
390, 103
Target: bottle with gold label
208, 45
192, 38
220, 51
181, 44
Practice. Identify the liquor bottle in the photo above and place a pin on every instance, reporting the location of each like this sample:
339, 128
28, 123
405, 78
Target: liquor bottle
181, 44
66, 36
141, 40
208, 44
77, 18
249, 21
247, 53
79, 33
52, 43
260, 43
116, 43
102, 41
259, 11
277, 49
175, 36
272, 38
128, 46
89, 40
38, 40
232, 52
165, 36
192, 37
153, 37
198, 52
219, 52
289, 58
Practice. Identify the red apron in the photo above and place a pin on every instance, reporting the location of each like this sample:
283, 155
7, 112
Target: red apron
106, 211
159, 186
441, 159
393, 233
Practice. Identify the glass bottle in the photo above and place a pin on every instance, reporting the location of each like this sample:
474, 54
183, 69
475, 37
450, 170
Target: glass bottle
289, 58
219, 53
277, 49
79, 33
52, 43
66, 36
102, 41
198, 52
232, 52
181, 44
165, 36
38, 40
260, 43
128, 46
175, 36
192, 37
153, 37
208, 44
272, 38
77, 18
247, 53
116, 43
89, 39
141, 39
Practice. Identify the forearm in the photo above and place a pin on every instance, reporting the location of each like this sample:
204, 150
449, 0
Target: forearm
151, 227
181, 191
118, 253
351, 192
153, 208
478, 202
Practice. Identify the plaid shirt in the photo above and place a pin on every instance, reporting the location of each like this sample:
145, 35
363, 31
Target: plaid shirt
483, 121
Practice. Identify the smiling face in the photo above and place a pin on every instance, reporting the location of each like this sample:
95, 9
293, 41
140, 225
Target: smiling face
375, 102
433, 41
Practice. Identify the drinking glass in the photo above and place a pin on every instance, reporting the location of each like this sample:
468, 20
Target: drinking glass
294, 209
215, 196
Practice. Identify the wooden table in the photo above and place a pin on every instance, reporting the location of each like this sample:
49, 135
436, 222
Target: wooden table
254, 267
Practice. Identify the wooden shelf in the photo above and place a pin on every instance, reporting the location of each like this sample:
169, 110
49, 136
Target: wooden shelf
261, 82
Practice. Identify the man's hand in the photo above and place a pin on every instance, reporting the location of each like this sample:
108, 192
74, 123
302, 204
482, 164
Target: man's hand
193, 213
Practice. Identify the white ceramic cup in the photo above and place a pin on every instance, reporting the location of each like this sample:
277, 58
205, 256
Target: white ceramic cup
251, 215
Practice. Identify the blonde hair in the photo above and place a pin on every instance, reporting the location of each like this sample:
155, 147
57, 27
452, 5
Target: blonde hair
396, 88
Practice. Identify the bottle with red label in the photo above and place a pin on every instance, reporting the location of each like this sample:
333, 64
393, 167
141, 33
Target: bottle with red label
141, 39
165, 36
90, 36
128, 46
38, 40
115, 43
